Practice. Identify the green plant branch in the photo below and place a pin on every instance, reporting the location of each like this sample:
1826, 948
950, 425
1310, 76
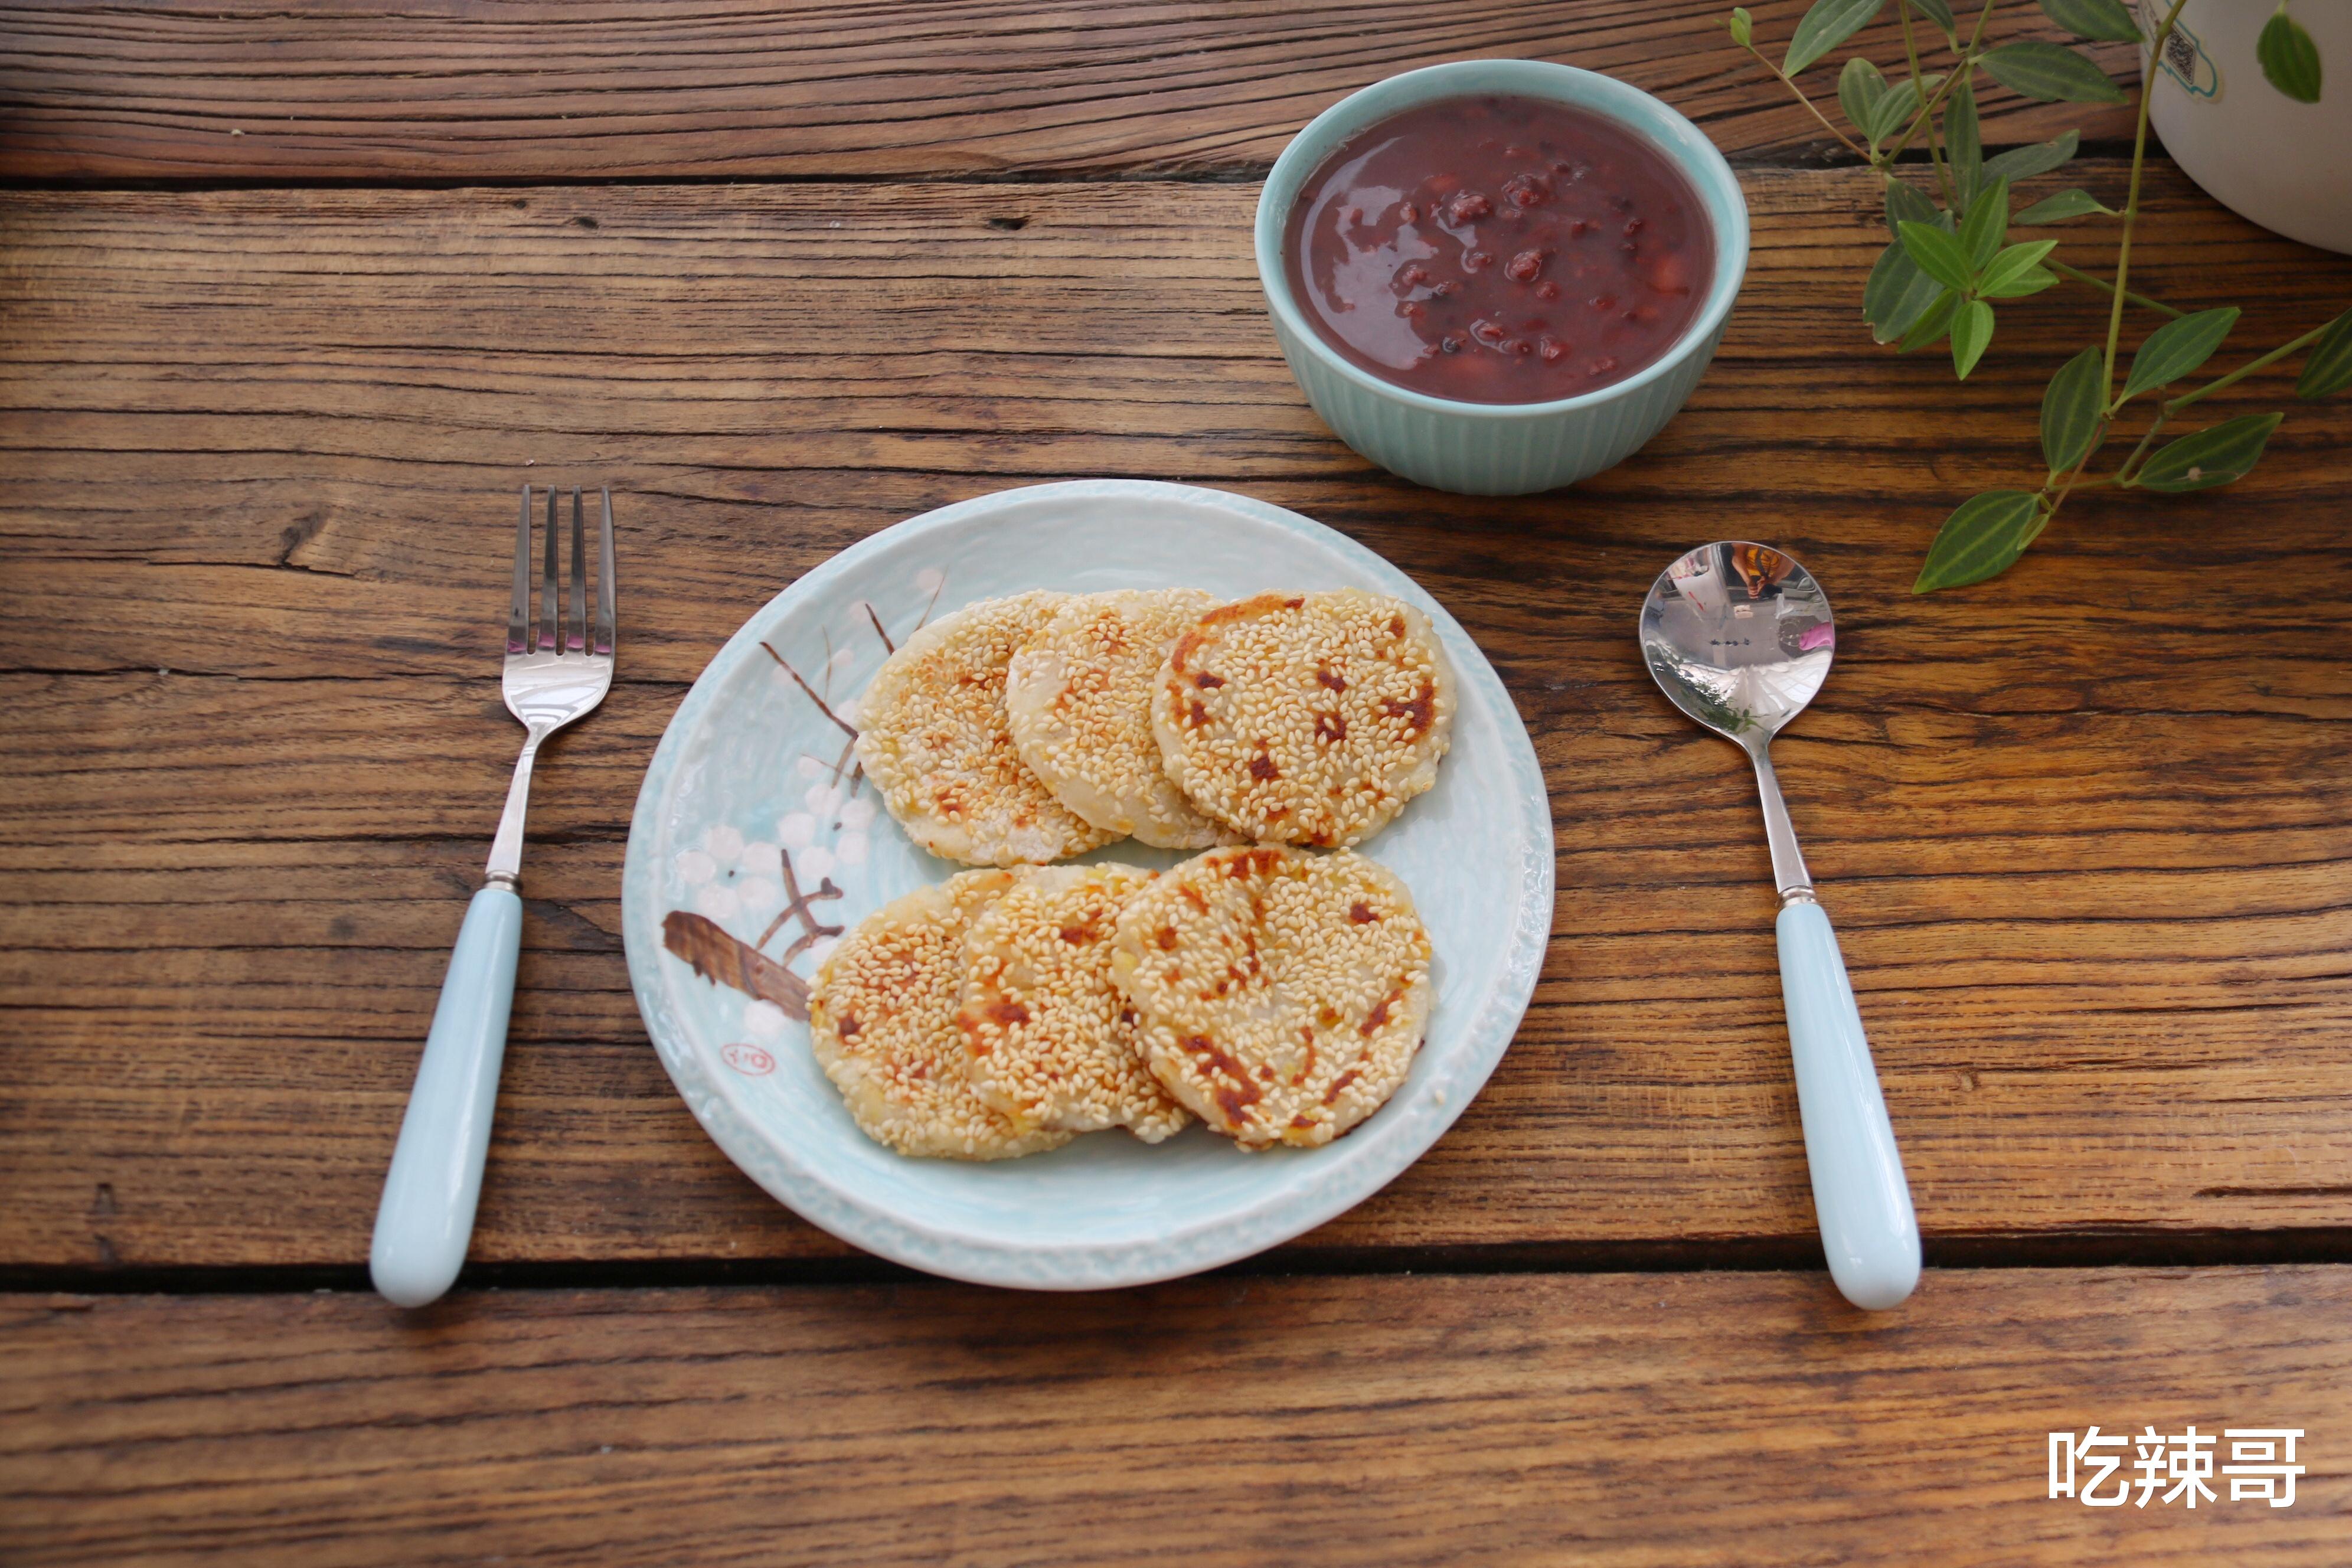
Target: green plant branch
2131, 199
1785, 80
2175, 406
1926, 112
2103, 287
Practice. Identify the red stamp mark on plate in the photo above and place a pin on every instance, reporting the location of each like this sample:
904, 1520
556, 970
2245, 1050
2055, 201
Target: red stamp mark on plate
749, 1060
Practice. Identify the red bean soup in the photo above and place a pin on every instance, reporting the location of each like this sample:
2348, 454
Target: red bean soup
1500, 249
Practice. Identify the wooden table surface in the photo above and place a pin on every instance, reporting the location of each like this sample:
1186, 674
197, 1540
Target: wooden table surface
291, 303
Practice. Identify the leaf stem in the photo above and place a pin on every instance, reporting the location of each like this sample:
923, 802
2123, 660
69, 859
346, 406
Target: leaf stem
2174, 405
1799, 92
2125, 470
2103, 287
1927, 106
2147, 81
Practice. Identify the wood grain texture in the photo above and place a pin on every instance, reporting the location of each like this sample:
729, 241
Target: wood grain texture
455, 89
1690, 1420
2083, 829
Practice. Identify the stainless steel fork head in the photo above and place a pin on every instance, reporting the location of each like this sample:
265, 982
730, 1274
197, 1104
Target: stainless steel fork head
558, 665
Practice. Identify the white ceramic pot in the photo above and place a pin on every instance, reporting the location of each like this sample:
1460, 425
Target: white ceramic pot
2285, 165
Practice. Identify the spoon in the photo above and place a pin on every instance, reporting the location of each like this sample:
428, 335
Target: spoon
1740, 638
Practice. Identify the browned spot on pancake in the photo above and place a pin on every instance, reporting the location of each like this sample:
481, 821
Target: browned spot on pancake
1206, 681
1193, 896
1420, 712
1237, 1094
1307, 1066
1328, 677
1248, 863
1186, 647
1089, 932
1396, 625
1262, 767
848, 1026
1006, 1012
1166, 939
1362, 913
1302, 1122
1329, 1017
1331, 727
1197, 714
1342, 1082
1380, 1014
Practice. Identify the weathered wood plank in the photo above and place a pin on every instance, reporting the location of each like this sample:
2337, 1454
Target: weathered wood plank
2085, 829
1611, 1419
247, 90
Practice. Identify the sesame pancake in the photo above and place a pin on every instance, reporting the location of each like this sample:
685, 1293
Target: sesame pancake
1281, 994
882, 1024
934, 737
1052, 1042
1079, 699
1305, 718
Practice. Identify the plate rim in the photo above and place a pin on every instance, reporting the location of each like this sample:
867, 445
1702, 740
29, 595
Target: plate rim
1267, 1219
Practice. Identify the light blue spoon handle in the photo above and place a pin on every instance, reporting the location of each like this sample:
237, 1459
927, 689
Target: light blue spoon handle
427, 1215
1859, 1196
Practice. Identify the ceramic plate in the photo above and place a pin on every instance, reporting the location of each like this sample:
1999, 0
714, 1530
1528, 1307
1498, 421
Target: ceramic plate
751, 794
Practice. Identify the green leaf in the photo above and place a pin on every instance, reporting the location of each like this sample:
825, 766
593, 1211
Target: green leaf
1908, 202
1936, 11
2060, 207
1860, 87
1961, 145
2290, 60
1982, 537
1932, 324
2051, 72
1743, 26
1901, 106
1939, 255
2093, 19
2024, 163
2209, 457
2013, 263
1829, 24
2070, 411
1897, 294
1986, 225
2176, 348
2328, 371
2032, 281
1971, 331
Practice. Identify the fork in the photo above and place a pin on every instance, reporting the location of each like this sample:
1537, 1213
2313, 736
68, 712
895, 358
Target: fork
556, 669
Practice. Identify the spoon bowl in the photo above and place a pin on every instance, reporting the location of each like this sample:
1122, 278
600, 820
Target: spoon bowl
1740, 636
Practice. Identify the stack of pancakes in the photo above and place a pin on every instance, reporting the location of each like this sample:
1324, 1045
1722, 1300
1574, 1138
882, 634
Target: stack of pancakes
1278, 994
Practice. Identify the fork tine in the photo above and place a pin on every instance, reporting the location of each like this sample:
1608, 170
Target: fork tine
518, 616
576, 639
604, 582
551, 608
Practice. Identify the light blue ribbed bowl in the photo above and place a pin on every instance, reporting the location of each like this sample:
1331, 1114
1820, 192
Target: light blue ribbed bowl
1500, 449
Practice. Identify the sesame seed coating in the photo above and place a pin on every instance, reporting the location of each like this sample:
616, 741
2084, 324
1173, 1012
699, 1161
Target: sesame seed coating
1052, 1041
936, 741
1079, 698
1305, 718
1281, 994
882, 1024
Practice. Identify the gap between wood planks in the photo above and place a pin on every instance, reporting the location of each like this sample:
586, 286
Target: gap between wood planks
1824, 156
2120, 1247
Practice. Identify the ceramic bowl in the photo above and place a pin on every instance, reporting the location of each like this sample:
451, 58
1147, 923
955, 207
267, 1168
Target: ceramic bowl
1506, 449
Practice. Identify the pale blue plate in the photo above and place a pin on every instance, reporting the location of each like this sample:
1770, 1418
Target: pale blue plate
747, 773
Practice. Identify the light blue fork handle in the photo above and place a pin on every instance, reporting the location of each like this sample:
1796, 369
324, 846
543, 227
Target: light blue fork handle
1859, 1196
427, 1215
